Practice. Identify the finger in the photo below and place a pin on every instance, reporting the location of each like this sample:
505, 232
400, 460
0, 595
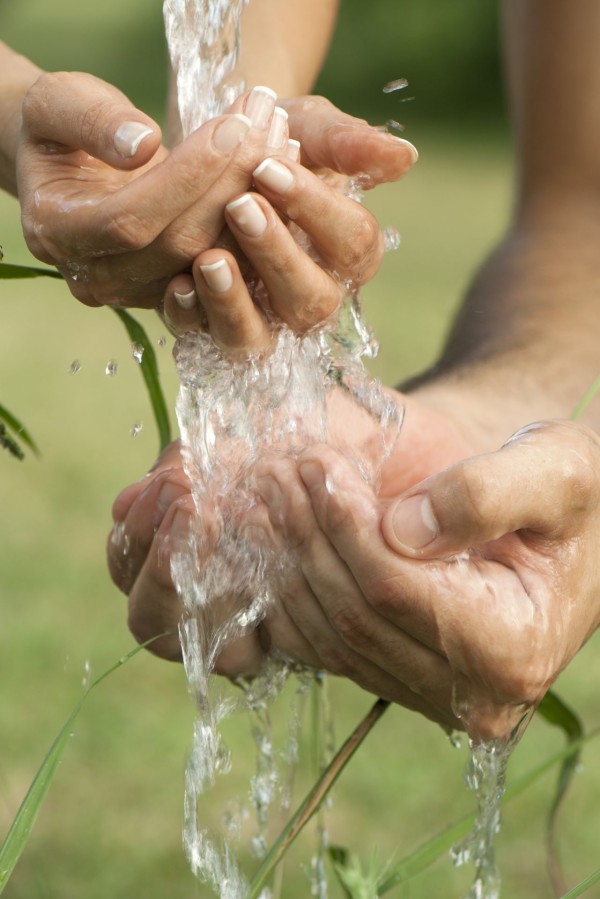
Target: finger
345, 234
331, 139
78, 111
131, 538
169, 458
234, 322
349, 515
182, 311
542, 482
300, 292
154, 606
325, 602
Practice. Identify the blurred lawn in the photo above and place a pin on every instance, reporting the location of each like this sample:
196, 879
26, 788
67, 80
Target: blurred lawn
111, 825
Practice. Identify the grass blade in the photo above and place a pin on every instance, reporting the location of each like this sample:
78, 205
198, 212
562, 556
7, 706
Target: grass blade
18, 428
441, 843
150, 374
587, 397
10, 272
555, 712
316, 796
584, 886
20, 829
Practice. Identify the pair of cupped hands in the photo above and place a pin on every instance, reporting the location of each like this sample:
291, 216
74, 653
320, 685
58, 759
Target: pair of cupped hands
469, 581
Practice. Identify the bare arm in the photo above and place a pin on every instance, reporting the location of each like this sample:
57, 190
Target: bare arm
284, 44
527, 339
17, 74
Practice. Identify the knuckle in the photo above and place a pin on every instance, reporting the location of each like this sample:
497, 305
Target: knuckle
350, 624
361, 246
480, 504
93, 120
35, 100
124, 231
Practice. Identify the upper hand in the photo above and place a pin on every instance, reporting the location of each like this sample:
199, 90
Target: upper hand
108, 205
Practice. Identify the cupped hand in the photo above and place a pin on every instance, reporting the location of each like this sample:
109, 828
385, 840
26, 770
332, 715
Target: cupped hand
465, 597
113, 209
304, 241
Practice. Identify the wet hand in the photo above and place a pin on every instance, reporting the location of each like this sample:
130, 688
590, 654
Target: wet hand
108, 205
304, 240
465, 598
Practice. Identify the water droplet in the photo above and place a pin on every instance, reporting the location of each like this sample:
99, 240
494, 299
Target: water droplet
137, 351
397, 85
393, 125
74, 367
162, 340
391, 238
111, 368
136, 428
87, 675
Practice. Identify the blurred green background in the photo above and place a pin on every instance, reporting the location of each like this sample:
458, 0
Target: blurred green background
111, 826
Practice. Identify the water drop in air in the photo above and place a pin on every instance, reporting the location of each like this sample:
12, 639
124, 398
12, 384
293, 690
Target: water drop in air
397, 85
393, 125
111, 368
136, 428
162, 340
391, 238
74, 367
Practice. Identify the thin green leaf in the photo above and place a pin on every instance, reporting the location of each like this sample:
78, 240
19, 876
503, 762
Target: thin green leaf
10, 272
584, 886
586, 399
18, 835
441, 843
150, 374
316, 796
18, 428
9, 443
557, 713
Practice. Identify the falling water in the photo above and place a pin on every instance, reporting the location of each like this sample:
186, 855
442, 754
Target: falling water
232, 413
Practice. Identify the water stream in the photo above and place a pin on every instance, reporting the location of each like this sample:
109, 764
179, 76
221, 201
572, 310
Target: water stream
232, 413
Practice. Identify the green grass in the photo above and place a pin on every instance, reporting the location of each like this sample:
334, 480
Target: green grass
111, 824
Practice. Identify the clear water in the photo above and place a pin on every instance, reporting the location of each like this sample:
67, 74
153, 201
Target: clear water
230, 414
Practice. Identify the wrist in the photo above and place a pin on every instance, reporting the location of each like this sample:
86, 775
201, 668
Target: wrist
17, 74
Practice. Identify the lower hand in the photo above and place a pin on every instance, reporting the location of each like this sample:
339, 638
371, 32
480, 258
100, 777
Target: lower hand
464, 598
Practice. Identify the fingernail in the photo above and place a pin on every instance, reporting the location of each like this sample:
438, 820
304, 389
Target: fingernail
230, 133
180, 526
274, 175
260, 105
129, 136
248, 215
293, 149
277, 135
217, 276
312, 474
270, 492
413, 522
413, 150
168, 493
186, 301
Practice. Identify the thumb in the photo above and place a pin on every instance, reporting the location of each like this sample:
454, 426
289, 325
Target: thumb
542, 480
81, 112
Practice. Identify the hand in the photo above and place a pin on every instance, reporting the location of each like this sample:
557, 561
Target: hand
464, 598
110, 207
152, 517
291, 203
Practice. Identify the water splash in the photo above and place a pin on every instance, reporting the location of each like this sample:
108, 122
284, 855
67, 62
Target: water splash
231, 415
397, 85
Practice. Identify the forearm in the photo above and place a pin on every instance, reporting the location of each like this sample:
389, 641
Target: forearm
17, 74
526, 342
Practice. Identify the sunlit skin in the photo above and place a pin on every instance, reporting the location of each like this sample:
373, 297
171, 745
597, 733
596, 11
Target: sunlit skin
400, 618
